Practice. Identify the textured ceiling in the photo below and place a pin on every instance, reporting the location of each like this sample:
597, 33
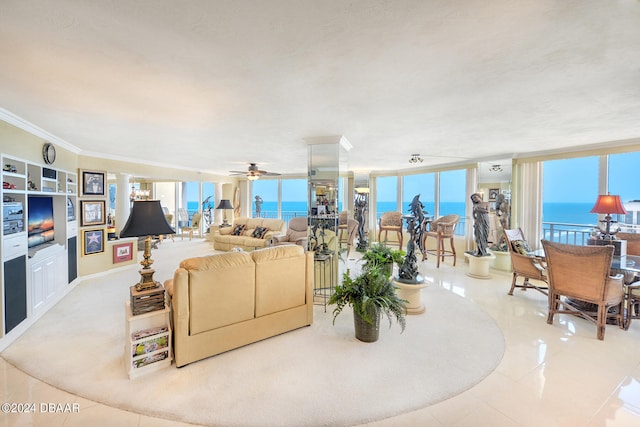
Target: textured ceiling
213, 85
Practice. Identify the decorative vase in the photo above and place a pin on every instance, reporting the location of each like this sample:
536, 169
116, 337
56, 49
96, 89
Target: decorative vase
366, 332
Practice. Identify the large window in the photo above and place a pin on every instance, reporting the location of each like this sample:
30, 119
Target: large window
453, 196
294, 198
265, 192
623, 183
569, 190
386, 195
423, 184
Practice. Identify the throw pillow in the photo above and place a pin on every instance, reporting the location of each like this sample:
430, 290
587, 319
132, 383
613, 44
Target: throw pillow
237, 230
259, 232
521, 247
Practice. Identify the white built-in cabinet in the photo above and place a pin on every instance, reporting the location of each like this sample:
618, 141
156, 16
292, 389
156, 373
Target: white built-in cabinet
33, 279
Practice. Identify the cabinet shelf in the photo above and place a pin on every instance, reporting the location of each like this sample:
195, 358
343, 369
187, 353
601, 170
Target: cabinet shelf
148, 341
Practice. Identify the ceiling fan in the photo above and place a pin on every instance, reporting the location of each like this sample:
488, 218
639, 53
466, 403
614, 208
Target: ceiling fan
253, 172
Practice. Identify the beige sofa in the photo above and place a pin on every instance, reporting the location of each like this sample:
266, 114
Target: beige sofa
224, 240
225, 301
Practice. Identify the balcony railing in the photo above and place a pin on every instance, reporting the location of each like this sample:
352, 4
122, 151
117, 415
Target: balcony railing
573, 234
577, 234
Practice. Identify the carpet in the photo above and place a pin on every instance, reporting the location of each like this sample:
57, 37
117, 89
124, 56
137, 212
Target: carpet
317, 375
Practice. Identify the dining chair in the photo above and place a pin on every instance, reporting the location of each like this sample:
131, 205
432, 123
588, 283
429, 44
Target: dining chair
580, 283
194, 227
631, 280
441, 229
524, 264
390, 221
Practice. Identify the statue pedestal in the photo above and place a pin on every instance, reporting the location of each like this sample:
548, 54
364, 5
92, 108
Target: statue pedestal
412, 293
479, 266
502, 261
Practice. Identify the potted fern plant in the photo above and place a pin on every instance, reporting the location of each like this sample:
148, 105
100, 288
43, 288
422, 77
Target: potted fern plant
381, 255
371, 294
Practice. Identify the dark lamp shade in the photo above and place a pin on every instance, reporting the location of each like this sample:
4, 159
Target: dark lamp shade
224, 204
607, 204
146, 219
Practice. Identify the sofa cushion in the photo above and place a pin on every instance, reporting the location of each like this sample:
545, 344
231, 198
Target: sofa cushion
279, 274
238, 229
228, 277
259, 232
273, 224
254, 222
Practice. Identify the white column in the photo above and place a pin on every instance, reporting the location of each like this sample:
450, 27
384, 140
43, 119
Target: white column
123, 204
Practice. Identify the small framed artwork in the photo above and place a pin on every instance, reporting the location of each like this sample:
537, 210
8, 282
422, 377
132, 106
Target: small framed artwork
493, 193
93, 183
92, 212
122, 252
93, 241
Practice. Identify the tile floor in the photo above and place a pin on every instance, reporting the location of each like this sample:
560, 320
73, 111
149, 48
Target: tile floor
551, 375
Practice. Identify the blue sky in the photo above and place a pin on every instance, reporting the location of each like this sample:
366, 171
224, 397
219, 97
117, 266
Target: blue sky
576, 180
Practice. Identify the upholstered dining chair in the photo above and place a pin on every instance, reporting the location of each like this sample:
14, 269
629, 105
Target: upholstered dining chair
580, 283
631, 280
390, 221
524, 264
441, 229
194, 227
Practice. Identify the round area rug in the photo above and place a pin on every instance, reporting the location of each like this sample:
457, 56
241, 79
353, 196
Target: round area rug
318, 375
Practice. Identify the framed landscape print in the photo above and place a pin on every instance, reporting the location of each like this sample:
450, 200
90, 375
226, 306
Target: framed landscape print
93, 241
122, 252
92, 212
93, 183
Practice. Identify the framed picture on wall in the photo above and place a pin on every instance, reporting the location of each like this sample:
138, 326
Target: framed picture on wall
92, 241
122, 252
493, 194
92, 212
93, 183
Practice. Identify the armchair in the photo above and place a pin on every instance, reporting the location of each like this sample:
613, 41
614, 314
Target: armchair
581, 275
390, 221
441, 229
524, 264
296, 233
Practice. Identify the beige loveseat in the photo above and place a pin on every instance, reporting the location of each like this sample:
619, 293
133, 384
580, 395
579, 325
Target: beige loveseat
225, 301
225, 240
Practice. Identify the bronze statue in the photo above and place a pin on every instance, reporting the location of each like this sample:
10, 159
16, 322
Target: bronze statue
408, 271
258, 206
480, 225
503, 212
360, 202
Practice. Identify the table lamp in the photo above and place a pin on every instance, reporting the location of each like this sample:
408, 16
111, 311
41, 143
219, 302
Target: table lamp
607, 205
224, 205
146, 219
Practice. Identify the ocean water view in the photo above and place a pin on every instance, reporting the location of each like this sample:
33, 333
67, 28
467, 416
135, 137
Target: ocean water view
566, 213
